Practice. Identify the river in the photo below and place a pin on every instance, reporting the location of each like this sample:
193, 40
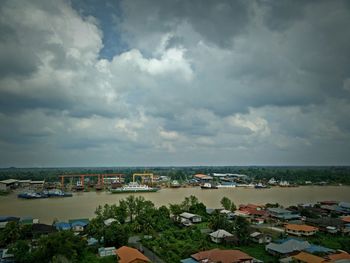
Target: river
83, 205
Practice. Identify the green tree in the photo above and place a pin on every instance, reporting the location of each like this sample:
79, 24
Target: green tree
10, 234
228, 204
116, 235
60, 245
21, 251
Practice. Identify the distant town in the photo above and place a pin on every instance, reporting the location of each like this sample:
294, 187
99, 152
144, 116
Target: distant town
134, 229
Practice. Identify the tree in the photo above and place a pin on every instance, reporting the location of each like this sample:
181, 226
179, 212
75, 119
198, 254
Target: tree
228, 204
241, 229
10, 234
219, 221
115, 235
21, 251
60, 245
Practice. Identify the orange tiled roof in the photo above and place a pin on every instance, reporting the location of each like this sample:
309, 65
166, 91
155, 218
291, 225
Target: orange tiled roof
128, 254
346, 219
301, 227
339, 256
224, 256
308, 258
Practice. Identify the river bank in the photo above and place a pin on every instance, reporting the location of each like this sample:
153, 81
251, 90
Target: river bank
83, 205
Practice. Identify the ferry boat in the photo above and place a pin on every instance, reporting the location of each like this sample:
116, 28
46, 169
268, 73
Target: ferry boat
134, 187
226, 185
57, 193
208, 186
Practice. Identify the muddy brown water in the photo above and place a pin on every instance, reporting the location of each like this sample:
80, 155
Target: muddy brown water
83, 205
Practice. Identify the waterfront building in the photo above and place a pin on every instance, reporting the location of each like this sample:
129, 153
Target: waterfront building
6, 185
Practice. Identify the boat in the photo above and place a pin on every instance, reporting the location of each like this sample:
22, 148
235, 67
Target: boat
175, 184
226, 185
134, 187
261, 186
32, 195
208, 186
58, 193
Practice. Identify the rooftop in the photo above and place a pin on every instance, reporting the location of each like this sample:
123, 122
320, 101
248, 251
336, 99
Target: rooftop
221, 234
308, 258
223, 256
128, 255
289, 246
8, 181
305, 228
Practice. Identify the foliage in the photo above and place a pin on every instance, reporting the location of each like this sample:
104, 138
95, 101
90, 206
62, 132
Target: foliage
228, 204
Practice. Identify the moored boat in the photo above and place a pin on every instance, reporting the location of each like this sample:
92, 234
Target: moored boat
134, 187
58, 193
175, 184
32, 195
208, 186
226, 185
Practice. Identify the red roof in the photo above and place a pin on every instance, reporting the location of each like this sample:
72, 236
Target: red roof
251, 211
223, 256
346, 219
128, 255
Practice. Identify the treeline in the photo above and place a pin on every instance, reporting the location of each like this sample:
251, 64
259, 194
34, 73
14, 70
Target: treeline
329, 174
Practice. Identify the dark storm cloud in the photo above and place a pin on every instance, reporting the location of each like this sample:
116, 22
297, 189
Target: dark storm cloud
263, 81
217, 21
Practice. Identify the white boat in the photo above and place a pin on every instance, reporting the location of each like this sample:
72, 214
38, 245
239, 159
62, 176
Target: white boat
226, 185
134, 187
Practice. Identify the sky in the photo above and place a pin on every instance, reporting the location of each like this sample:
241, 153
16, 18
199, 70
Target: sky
174, 82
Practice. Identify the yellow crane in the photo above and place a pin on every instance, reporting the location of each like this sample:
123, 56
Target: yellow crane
142, 175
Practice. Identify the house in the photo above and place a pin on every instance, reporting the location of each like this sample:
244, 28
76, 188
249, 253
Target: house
203, 177
6, 185
5, 219
106, 251
287, 247
301, 230
282, 214
61, 226
228, 213
191, 217
341, 257
345, 206
131, 255
327, 224
78, 225
220, 236
42, 229
304, 257
260, 238
218, 255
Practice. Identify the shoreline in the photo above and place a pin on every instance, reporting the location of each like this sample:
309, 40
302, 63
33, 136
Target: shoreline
83, 204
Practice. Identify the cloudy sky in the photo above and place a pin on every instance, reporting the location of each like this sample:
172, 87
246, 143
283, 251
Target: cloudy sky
174, 82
